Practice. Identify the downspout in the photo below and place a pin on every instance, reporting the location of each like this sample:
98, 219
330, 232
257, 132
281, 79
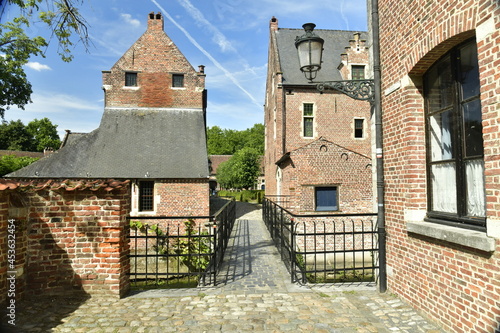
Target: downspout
379, 149
283, 120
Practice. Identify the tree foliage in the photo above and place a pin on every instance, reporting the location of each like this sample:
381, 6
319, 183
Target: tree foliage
36, 136
44, 134
241, 170
63, 21
11, 163
228, 142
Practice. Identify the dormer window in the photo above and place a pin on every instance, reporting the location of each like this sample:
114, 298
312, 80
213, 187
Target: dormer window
130, 79
177, 80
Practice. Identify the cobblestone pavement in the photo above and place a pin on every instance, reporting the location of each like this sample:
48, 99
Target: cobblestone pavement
253, 294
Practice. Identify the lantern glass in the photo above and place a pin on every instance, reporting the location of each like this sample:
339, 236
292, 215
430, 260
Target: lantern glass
309, 49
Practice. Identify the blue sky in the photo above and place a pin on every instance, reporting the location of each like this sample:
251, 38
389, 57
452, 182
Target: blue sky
229, 37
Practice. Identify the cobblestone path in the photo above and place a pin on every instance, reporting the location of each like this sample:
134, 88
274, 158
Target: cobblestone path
253, 294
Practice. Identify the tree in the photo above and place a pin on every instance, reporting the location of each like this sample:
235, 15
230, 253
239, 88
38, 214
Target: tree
14, 136
44, 134
227, 141
38, 135
241, 170
16, 47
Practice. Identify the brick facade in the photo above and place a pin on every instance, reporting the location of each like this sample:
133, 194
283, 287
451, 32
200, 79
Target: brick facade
155, 59
67, 242
457, 285
322, 162
176, 197
334, 114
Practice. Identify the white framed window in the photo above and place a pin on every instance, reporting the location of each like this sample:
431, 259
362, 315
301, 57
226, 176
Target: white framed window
357, 72
455, 158
359, 128
308, 120
146, 196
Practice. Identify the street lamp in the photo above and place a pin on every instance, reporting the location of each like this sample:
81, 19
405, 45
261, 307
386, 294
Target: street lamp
310, 50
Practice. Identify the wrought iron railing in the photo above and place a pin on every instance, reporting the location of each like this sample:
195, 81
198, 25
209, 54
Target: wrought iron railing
179, 251
326, 248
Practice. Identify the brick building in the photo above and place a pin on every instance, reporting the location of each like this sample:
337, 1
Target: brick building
148, 157
441, 113
318, 145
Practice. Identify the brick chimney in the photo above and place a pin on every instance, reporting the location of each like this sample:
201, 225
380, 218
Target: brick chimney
155, 21
273, 24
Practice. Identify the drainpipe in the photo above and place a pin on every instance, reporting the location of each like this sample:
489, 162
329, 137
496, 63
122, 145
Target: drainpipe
379, 148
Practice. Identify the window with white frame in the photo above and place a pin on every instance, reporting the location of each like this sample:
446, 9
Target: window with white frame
455, 163
326, 198
146, 196
357, 72
359, 125
308, 120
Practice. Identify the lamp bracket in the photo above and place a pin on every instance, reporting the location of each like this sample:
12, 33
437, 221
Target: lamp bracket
363, 90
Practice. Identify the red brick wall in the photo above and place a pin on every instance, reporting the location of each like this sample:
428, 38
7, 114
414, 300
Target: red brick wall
155, 58
70, 242
458, 287
183, 197
324, 163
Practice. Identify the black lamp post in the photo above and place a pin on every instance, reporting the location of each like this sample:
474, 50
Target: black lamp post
310, 48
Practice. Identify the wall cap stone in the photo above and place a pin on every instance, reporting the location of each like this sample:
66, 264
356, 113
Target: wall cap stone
470, 238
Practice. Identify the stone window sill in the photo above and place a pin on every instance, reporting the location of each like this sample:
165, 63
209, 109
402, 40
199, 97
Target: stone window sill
470, 238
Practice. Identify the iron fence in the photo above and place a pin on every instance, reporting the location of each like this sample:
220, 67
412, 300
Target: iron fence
179, 251
326, 248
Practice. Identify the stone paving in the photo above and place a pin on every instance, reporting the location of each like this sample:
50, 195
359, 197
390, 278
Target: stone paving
253, 294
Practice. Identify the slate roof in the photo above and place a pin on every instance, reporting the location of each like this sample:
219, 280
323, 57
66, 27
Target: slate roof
131, 143
335, 43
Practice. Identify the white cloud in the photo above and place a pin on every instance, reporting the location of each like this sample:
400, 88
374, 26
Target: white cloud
128, 19
66, 111
35, 65
218, 37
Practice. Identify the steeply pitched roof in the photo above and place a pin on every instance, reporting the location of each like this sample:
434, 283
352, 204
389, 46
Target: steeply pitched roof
132, 143
335, 43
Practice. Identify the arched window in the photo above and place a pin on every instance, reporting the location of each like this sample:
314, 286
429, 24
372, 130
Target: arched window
455, 164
